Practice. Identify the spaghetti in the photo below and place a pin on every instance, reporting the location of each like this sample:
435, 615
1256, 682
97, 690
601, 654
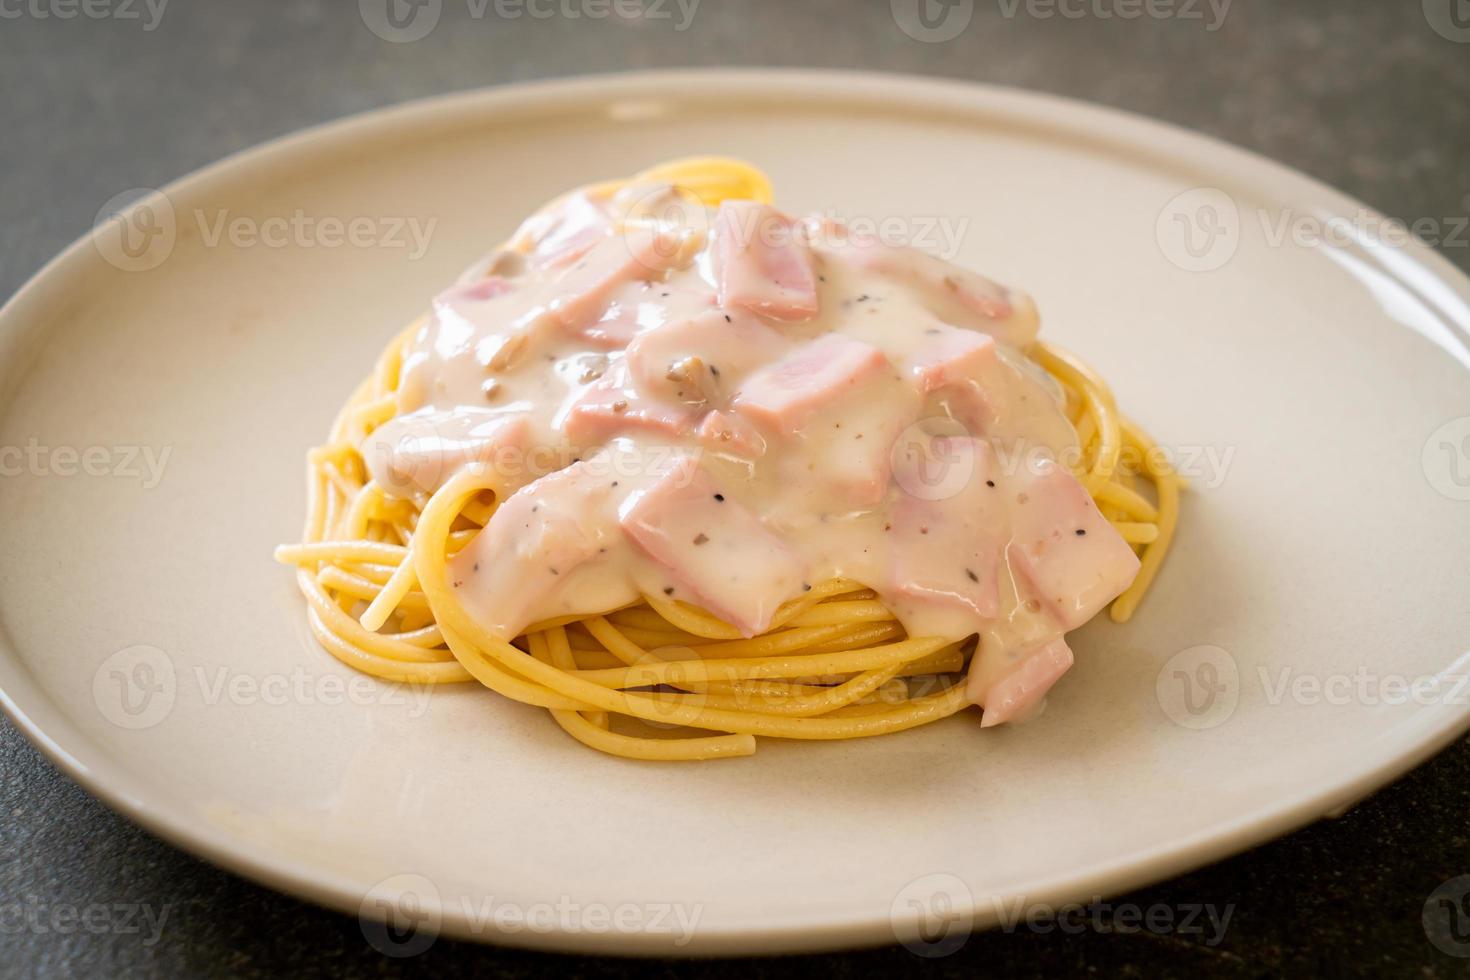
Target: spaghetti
662, 678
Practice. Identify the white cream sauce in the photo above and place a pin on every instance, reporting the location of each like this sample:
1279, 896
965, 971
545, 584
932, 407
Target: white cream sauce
728, 407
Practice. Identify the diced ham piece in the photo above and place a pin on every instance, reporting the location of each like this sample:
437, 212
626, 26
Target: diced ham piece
535, 538
459, 310
944, 548
611, 406
585, 290
641, 307
728, 433
1072, 558
985, 391
563, 232
786, 394
949, 356
965, 367
418, 453
1017, 694
724, 348
713, 552
954, 294
760, 264
669, 204
477, 290
849, 444
615, 329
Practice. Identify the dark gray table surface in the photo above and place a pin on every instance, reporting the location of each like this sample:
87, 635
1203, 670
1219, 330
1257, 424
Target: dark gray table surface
1368, 96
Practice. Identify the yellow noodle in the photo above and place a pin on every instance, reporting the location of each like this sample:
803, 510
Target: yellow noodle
835, 662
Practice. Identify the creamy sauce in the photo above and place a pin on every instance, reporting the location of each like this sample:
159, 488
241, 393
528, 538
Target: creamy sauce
728, 407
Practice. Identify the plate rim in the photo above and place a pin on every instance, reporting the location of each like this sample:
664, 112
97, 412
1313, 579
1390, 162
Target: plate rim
105, 778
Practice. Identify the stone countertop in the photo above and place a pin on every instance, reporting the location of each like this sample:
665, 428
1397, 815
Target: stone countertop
1373, 98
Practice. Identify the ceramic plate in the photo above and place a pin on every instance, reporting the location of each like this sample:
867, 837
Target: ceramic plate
1306, 642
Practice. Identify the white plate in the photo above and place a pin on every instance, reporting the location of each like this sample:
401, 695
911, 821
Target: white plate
1327, 540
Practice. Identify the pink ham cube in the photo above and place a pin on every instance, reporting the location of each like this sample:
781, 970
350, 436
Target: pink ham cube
535, 538
1017, 694
1063, 547
419, 452
945, 548
712, 551
952, 293
611, 406
731, 435
728, 345
949, 356
760, 264
586, 288
784, 395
